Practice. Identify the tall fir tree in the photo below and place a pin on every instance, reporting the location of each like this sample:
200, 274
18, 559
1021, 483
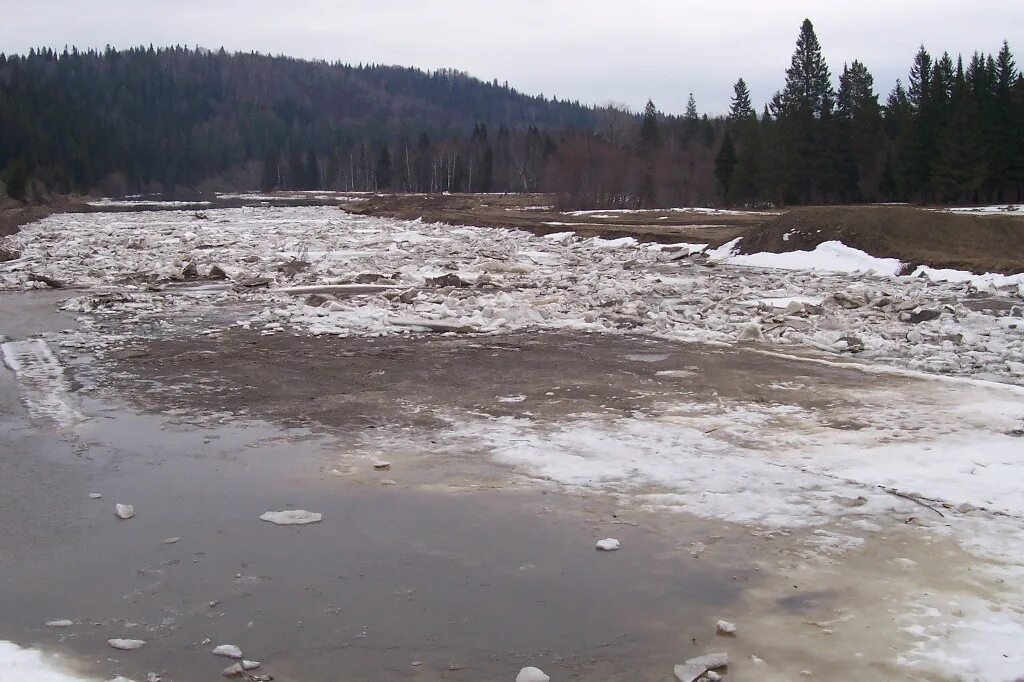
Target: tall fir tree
741, 108
805, 108
860, 134
958, 168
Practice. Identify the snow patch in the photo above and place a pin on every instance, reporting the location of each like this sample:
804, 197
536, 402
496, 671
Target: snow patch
46, 389
18, 664
830, 256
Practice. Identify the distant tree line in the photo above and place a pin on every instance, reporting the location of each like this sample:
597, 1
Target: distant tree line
955, 133
177, 121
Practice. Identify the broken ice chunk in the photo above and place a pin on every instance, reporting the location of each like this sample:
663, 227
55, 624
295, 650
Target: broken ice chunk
124, 511
291, 517
229, 650
608, 544
126, 644
724, 627
710, 661
531, 674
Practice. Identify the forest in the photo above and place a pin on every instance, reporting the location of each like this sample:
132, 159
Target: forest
178, 122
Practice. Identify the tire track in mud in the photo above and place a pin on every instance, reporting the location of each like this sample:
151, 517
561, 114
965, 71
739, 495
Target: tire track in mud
45, 387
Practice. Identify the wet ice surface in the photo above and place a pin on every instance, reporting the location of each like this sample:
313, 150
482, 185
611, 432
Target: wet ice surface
955, 449
516, 282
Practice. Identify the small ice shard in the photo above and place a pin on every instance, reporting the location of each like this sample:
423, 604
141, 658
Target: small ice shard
233, 670
712, 676
126, 644
291, 517
95, 496
710, 661
689, 672
170, 541
124, 511
531, 674
382, 466
61, 623
752, 332
724, 627
236, 669
229, 650
608, 544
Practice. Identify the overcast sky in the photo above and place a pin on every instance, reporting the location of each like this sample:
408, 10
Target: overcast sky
597, 51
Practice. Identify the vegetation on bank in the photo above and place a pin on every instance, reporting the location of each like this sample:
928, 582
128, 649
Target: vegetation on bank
179, 121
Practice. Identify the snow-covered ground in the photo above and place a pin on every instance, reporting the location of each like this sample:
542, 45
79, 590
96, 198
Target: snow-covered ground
989, 210
946, 435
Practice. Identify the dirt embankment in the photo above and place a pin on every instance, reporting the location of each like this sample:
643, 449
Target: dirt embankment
535, 213
14, 214
980, 243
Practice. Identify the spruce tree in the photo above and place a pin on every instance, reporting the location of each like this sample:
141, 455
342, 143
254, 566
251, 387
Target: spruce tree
1004, 125
312, 171
920, 147
741, 108
296, 169
271, 176
691, 108
16, 178
958, 169
691, 120
383, 170
725, 165
650, 135
859, 125
805, 108
897, 121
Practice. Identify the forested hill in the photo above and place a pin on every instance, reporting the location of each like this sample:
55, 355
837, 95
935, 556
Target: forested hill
146, 119
177, 121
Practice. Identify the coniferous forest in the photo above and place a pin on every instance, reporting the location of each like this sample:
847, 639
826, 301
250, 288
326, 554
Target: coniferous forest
180, 121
